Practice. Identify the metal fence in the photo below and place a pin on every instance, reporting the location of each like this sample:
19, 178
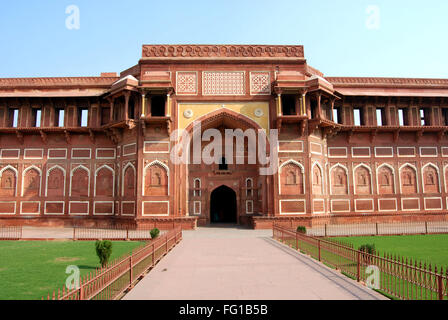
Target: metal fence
10, 233
398, 277
112, 281
116, 234
376, 229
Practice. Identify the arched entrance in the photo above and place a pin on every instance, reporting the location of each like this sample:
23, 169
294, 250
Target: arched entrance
223, 208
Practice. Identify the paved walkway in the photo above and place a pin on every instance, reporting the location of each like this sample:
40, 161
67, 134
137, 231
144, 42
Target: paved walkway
239, 264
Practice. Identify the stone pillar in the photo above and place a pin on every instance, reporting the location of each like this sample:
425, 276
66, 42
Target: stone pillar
168, 105
111, 101
143, 105
126, 105
279, 104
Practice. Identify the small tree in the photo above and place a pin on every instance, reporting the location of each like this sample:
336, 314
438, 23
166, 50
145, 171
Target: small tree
103, 251
301, 229
154, 233
366, 250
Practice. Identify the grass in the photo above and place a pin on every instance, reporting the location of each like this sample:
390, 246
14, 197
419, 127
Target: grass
394, 282
425, 248
31, 269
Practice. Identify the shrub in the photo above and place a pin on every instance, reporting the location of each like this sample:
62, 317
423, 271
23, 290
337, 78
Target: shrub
367, 248
301, 229
103, 251
154, 233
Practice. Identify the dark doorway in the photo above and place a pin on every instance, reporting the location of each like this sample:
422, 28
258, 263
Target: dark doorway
223, 206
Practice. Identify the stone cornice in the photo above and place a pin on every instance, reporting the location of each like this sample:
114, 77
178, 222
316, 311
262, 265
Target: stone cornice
371, 81
221, 51
57, 82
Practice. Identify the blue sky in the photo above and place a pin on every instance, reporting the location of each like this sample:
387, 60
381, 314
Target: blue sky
408, 40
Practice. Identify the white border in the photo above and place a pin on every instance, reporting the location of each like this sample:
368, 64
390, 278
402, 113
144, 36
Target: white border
8, 158
430, 148
158, 214
443, 154
127, 202
361, 148
54, 214
377, 156
337, 148
289, 151
56, 158
319, 212
293, 213
340, 200
78, 214
323, 182
390, 210
373, 205
194, 208
33, 158
80, 149
29, 213
106, 149
433, 198
320, 147
104, 214
247, 206
156, 142
129, 154
15, 208
402, 207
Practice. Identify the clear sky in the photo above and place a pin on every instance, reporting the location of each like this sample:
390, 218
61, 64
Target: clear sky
394, 38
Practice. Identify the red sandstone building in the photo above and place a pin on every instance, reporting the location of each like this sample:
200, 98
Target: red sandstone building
93, 150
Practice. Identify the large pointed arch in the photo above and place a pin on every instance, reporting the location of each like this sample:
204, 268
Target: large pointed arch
370, 180
104, 167
49, 171
73, 171
438, 180
414, 168
302, 171
16, 176
392, 170
130, 166
39, 171
344, 168
145, 171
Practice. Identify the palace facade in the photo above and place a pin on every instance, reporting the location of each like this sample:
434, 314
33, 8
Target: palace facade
96, 150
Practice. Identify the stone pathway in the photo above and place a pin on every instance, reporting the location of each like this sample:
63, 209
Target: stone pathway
239, 264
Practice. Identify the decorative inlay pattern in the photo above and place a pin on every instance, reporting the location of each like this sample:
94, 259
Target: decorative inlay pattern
260, 83
187, 83
223, 83
384, 81
222, 51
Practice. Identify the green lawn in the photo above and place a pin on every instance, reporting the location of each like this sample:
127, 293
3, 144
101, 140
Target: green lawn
30, 269
425, 248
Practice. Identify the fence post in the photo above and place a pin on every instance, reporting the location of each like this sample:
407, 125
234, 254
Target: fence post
426, 227
130, 271
297, 242
440, 286
358, 268
81, 292
318, 245
74, 233
283, 240
325, 230
376, 224
127, 234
